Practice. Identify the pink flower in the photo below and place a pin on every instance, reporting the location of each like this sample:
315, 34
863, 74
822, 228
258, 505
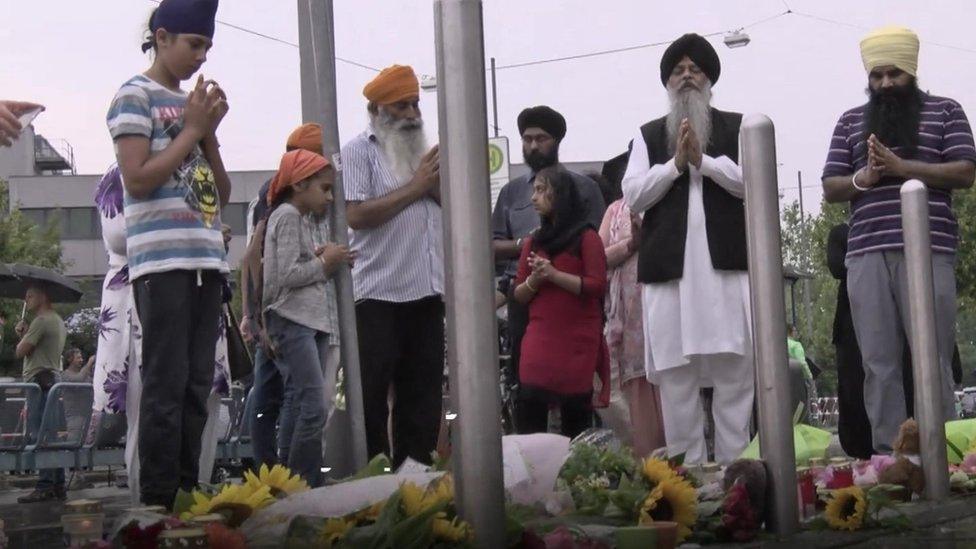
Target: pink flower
969, 464
880, 463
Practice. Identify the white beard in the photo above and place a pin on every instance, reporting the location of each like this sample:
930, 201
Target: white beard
694, 105
402, 144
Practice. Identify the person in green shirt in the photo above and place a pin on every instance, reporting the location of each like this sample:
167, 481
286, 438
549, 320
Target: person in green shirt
41, 344
795, 349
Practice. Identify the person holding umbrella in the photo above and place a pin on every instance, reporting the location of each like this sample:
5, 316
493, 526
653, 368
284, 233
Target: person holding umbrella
41, 344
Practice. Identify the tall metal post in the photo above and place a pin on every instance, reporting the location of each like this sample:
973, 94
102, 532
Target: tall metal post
925, 349
316, 37
467, 245
758, 141
494, 97
807, 251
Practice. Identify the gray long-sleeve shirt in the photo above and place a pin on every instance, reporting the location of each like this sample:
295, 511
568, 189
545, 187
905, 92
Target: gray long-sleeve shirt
295, 284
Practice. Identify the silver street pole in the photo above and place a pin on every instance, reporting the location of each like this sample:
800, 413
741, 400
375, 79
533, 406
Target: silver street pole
758, 140
468, 257
316, 36
925, 350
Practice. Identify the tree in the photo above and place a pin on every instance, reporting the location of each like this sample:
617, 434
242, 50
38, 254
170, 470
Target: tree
22, 242
805, 249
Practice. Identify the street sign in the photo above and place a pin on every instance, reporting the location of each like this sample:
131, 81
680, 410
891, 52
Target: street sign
498, 166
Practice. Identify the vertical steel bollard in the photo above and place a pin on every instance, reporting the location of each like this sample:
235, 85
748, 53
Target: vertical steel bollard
758, 143
925, 349
469, 267
316, 33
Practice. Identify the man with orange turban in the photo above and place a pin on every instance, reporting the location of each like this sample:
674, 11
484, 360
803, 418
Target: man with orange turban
901, 133
393, 192
268, 391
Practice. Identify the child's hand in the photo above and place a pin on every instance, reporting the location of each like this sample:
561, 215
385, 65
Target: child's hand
334, 255
196, 116
217, 106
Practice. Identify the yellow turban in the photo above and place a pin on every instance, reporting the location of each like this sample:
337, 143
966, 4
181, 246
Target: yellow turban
306, 136
392, 84
897, 46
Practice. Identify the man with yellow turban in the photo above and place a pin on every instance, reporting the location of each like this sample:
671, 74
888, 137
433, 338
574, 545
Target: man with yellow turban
393, 192
901, 133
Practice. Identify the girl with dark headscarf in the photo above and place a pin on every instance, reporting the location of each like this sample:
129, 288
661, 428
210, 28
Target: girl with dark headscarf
562, 277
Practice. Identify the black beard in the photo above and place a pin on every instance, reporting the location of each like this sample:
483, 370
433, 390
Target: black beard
539, 161
893, 116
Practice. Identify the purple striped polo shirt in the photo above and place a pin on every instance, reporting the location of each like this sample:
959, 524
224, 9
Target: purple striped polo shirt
944, 136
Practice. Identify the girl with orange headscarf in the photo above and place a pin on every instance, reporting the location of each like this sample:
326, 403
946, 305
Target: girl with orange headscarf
299, 305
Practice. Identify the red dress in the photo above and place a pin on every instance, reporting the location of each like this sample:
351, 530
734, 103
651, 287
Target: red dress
563, 345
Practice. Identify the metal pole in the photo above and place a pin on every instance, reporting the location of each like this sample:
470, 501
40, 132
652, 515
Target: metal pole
804, 231
924, 345
316, 36
467, 246
494, 96
758, 141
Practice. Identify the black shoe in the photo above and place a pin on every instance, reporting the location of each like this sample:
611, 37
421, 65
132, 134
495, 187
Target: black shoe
38, 496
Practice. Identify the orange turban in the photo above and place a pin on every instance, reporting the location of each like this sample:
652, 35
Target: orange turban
393, 84
296, 166
306, 136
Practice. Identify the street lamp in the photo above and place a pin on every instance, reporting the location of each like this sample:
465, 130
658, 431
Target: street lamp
737, 39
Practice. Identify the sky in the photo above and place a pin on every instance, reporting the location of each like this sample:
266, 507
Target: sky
801, 69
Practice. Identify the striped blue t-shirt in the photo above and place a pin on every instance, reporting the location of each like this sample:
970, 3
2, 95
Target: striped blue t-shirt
944, 136
177, 227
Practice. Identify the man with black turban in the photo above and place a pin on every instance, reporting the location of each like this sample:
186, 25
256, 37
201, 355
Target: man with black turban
683, 176
542, 130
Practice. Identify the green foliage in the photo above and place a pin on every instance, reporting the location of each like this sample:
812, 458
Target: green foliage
805, 249
22, 242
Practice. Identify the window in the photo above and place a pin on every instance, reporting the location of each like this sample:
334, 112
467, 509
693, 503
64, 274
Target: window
72, 223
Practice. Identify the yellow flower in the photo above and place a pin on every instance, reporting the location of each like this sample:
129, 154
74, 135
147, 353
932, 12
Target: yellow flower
336, 529
846, 508
238, 501
658, 470
279, 478
453, 531
416, 500
673, 500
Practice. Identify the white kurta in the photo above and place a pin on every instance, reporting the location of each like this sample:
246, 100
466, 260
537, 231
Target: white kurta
707, 311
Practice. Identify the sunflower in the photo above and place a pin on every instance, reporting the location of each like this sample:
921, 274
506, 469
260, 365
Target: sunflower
335, 529
236, 501
453, 531
657, 471
673, 500
279, 478
417, 500
846, 508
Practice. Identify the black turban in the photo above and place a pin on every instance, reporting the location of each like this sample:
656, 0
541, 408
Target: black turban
698, 50
545, 118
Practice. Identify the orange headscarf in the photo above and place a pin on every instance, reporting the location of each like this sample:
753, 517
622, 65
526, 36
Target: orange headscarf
296, 166
393, 84
306, 136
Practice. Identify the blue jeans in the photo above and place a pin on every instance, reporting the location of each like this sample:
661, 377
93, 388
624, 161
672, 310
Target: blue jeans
265, 406
48, 479
302, 360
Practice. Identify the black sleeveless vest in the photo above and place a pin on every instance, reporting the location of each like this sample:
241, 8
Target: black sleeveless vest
664, 229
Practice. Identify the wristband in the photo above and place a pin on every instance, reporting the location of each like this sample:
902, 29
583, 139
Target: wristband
854, 182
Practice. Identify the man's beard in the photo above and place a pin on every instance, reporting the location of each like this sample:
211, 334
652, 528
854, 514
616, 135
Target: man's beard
537, 160
695, 105
893, 116
403, 143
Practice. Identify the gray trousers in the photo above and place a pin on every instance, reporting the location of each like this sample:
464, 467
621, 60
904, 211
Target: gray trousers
877, 283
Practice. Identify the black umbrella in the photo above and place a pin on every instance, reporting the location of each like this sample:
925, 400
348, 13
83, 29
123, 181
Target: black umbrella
60, 288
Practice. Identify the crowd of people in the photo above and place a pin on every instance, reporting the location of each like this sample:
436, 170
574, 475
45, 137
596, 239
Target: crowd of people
632, 294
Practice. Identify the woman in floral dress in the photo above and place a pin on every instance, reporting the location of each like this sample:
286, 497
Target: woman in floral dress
625, 330
118, 359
